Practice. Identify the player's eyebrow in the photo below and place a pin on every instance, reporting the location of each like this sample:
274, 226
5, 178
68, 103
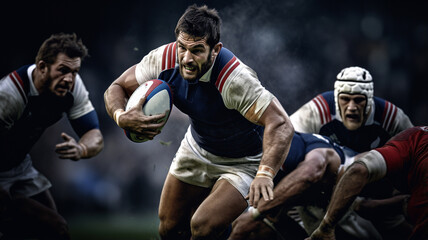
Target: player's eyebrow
200, 45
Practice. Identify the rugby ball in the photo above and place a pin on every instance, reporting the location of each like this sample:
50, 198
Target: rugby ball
158, 101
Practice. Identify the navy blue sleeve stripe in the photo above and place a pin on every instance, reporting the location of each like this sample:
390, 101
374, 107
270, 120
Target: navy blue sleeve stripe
85, 123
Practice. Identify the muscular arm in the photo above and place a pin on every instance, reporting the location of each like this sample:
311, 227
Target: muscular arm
288, 190
277, 135
118, 92
93, 140
308, 172
349, 186
277, 138
115, 98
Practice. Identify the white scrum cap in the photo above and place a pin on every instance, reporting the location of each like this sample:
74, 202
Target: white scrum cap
354, 80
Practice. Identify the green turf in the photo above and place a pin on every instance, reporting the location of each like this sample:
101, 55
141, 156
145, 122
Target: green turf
118, 227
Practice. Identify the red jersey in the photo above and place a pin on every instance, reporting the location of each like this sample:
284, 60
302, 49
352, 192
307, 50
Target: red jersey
406, 157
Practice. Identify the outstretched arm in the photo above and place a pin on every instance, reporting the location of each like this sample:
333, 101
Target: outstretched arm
307, 173
347, 189
288, 190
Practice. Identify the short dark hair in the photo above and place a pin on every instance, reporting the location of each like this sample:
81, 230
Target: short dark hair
61, 43
200, 22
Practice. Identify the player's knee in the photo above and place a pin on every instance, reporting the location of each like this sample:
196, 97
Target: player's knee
203, 228
170, 229
200, 227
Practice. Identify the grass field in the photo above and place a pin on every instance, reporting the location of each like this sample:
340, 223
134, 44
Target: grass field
118, 227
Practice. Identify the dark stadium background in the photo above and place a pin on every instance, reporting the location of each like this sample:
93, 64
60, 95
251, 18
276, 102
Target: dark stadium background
296, 47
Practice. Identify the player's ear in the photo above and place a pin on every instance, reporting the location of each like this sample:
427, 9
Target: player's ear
42, 66
216, 49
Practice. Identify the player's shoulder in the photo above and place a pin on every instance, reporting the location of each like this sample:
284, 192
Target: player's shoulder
325, 103
325, 97
226, 67
16, 84
385, 111
161, 58
168, 55
382, 103
328, 96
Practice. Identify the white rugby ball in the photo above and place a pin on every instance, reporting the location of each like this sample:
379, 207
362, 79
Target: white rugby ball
158, 101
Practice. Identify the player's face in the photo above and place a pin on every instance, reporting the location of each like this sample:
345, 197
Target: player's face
61, 74
195, 57
352, 109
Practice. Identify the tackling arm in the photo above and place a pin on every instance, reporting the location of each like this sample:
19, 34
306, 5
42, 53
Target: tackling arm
347, 189
287, 192
308, 172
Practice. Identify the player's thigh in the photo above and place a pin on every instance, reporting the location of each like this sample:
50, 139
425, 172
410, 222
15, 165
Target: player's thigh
179, 199
224, 204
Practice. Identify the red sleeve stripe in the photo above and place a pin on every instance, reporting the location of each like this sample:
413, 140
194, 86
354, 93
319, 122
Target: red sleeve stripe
174, 55
168, 56
19, 84
389, 114
327, 112
225, 72
164, 57
323, 109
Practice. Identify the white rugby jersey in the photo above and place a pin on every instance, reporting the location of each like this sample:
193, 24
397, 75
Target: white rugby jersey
216, 103
234, 85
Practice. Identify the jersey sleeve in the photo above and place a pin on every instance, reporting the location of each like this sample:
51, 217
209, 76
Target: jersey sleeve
375, 163
400, 123
154, 63
397, 151
82, 105
242, 89
12, 103
307, 118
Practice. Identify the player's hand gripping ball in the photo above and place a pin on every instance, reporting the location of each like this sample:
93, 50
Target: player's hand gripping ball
158, 101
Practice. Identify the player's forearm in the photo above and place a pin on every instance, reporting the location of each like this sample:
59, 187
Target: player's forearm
349, 186
114, 99
288, 190
276, 142
92, 143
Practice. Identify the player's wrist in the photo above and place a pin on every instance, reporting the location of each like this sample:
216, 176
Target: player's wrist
266, 172
116, 116
84, 150
326, 225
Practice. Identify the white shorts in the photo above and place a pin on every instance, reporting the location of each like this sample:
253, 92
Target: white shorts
24, 179
195, 166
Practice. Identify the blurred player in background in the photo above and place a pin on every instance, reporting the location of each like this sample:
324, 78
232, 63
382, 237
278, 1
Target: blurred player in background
33, 98
353, 117
238, 137
404, 161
